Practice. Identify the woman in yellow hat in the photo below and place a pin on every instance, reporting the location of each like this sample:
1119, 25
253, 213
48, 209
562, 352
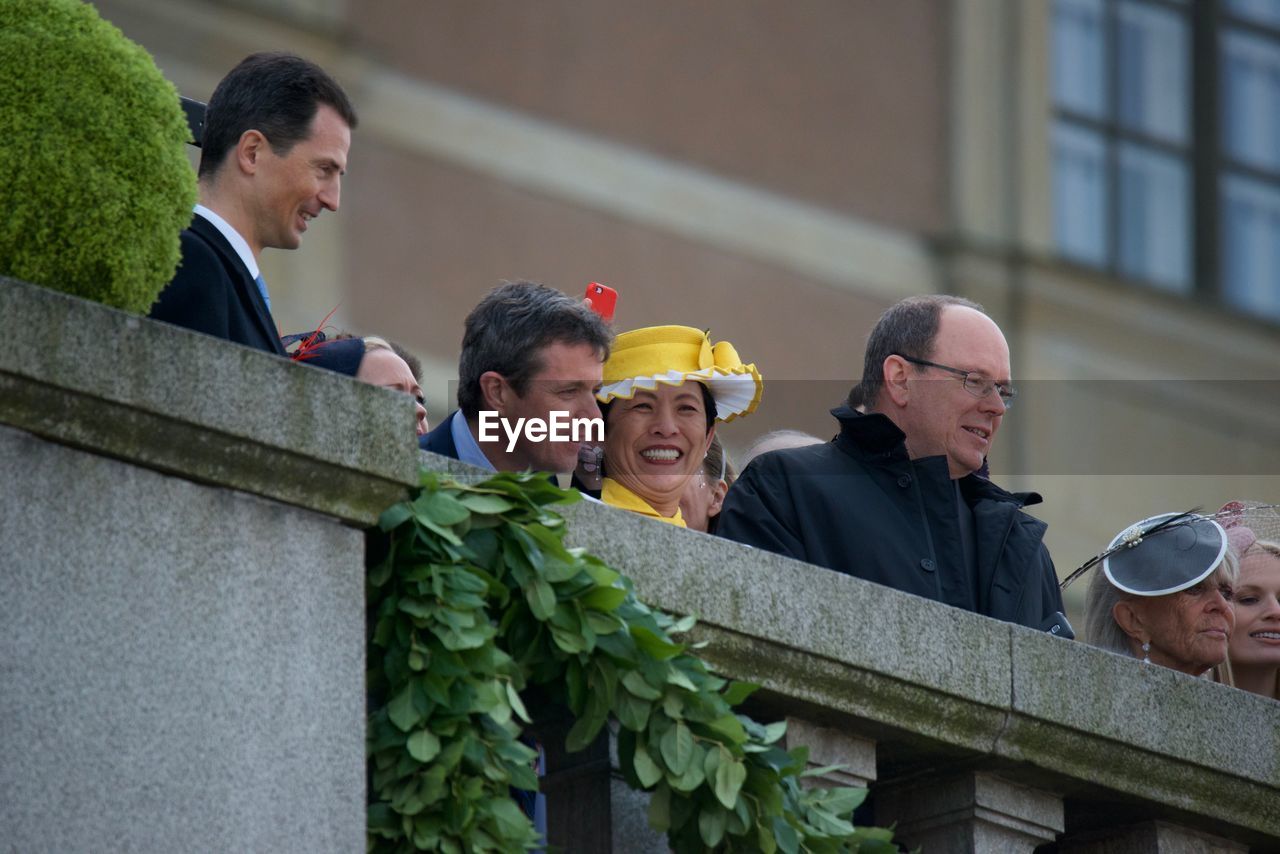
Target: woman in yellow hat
665, 388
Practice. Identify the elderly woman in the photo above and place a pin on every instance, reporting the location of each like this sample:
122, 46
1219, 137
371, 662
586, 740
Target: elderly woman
1164, 594
1254, 533
665, 388
704, 492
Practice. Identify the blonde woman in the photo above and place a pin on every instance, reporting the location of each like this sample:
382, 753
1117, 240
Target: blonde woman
1254, 651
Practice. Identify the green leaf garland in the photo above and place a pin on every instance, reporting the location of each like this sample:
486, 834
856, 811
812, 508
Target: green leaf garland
476, 599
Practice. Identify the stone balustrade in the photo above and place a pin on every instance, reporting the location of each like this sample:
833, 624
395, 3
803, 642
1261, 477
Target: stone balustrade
181, 577
181, 585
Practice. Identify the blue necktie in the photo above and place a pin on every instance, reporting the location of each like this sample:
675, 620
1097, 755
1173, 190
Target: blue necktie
262, 289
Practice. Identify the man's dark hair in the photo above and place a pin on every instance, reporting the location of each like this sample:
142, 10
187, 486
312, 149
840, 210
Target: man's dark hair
277, 94
506, 332
907, 328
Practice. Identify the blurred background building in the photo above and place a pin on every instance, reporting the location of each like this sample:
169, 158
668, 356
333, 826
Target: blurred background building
1104, 175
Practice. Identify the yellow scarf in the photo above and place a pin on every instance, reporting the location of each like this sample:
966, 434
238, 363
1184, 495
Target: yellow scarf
616, 495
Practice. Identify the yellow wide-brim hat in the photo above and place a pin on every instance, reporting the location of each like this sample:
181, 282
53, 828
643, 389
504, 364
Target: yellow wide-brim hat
673, 355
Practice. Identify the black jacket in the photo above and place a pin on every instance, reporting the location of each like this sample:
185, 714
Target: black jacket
440, 440
859, 505
213, 293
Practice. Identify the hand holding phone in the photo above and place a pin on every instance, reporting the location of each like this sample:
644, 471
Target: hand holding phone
602, 300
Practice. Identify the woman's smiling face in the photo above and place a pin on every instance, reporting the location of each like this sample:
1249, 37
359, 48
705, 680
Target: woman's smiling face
654, 442
1256, 638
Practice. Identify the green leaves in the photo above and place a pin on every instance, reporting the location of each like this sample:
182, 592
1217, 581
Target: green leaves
711, 825
402, 710
517, 705
653, 645
677, 748
423, 745
485, 503
736, 692
440, 508
477, 597
542, 598
605, 598
647, 771
729, 778
394, 516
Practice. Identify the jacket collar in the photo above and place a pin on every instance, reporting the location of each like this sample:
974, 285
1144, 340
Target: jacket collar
875, 437
248, 287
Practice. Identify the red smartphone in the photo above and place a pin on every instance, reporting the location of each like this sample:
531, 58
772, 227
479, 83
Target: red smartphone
602, 300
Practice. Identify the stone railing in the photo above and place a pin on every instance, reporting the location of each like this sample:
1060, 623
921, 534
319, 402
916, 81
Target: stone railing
181, 577
181, 585
973, 734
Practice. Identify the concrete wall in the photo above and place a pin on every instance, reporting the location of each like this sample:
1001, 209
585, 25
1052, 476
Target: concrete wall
178, 663
974, 735
181, 633
181, 586
966, 716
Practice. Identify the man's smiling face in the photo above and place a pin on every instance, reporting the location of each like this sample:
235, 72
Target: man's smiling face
567, 382
295, 187
940, 417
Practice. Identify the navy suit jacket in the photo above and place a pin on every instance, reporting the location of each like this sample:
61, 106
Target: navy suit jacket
213, 293
440, 440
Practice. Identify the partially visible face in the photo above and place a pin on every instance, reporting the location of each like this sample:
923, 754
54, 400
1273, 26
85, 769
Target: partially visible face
940, 417
570, 376
701, 500
385, 368
295, 188
655, 442
1188, 630
1256, 639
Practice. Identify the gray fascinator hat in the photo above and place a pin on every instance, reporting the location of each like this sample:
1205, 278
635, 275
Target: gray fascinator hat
1164, 554
1160, 555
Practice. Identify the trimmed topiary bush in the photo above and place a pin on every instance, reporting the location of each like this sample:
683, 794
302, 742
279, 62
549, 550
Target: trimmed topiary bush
94, 181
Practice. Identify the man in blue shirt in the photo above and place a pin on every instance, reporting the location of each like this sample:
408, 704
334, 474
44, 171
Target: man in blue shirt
528, 351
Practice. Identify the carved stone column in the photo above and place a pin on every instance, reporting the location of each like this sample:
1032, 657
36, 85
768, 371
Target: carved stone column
576, 786
1150, 837
629, 810
969, 813
834, 747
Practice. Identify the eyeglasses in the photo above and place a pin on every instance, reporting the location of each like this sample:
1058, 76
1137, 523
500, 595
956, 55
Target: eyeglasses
975, 383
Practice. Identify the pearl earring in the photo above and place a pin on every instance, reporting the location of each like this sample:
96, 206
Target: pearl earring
1146, 652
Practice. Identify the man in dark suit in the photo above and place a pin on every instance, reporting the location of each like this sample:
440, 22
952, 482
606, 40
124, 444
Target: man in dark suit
276, 135
528, 350
897, 498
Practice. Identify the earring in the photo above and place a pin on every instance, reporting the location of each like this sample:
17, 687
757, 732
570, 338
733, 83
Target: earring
1146, 652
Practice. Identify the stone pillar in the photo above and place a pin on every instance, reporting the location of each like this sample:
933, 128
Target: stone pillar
1151, 837
968, 813
576, 786
182, 573
834, 747
631, 831
630, 812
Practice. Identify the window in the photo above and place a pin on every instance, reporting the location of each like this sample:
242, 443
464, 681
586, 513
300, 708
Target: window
1166, 144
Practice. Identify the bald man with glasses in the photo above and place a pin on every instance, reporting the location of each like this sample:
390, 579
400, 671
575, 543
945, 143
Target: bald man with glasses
899, 496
